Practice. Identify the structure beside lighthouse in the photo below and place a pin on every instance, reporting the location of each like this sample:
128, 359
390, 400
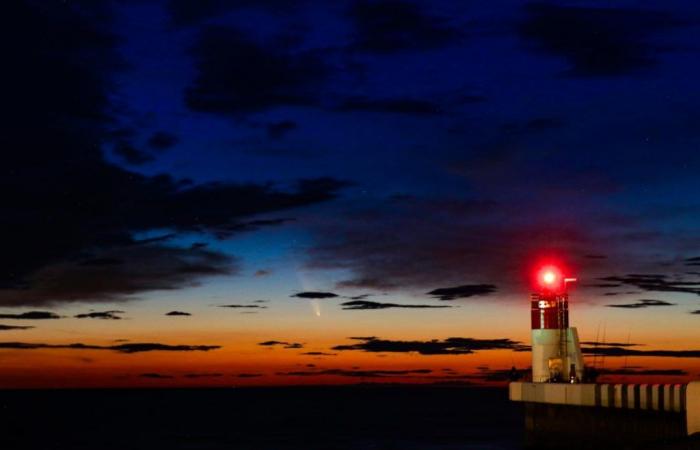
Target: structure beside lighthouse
556, 353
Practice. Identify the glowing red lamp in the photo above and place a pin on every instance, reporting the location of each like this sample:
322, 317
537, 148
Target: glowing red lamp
550, 278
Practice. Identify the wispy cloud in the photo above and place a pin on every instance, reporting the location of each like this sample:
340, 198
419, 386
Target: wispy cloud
369, 305
105, 315
31, 315
644, 303
449, 346
463, 291
356, 373
121, 348
13, 327
314, 295
283, 344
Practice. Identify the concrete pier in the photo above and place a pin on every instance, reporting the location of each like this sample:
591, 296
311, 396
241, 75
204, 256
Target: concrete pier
624, 415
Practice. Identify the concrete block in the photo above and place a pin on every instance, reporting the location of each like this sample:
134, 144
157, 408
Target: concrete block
532, 392
684, 387
538, 390
692, 407
587, 394
555, 393
657, 397
668, 397
618, 397
580, 394
515, 391
632, 391
606, 395
526, 392
678, 398
645, 396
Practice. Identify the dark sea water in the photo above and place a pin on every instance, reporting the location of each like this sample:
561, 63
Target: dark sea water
290, 418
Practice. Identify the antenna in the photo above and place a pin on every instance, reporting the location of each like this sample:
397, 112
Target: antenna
629, 335
595, 346
602, 364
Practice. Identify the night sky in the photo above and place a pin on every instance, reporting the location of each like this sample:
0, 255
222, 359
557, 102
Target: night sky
271, 192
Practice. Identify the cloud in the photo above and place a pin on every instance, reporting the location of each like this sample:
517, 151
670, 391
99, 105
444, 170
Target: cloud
391, 105
278, 130
162, 140
464, 291
112, 315
203, 375
130, 154
187, 13
621, 351
390, 26
694, 261
384, 244
314, 295
252, 225
287, 345
610, 344
601, 285
512, 374
13, 327
121, 348
156, 376
319, 354
597, 41
656, 283
31, 315
83, 208
150, 266
236, 74
365, 304
294, 345
449, 346
357, 373
645, 303
242, 306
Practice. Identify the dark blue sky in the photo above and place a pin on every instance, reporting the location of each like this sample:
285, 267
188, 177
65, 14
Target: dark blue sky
457, 139
176, 154
469, 132
409, 145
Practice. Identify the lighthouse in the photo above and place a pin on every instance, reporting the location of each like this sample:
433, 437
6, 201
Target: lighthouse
556, 352
561, 406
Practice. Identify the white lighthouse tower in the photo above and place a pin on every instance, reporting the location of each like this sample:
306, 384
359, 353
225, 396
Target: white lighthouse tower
556, 352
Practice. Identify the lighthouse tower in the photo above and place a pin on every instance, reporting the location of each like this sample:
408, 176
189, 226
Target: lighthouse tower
556, 352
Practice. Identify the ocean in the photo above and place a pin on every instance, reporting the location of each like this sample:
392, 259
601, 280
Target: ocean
365, 417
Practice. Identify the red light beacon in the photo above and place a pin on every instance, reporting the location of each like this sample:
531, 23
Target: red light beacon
556, 354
